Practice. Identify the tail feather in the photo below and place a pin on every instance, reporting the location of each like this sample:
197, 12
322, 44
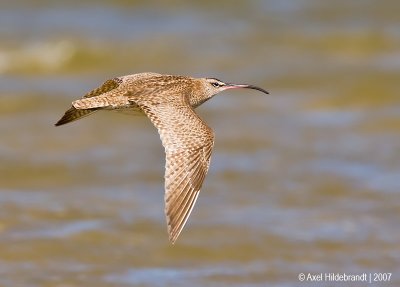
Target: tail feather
74, 114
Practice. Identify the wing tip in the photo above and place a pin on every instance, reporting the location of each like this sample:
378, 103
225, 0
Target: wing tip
173, 234
172, 239
64, 120
176, 225
73, 114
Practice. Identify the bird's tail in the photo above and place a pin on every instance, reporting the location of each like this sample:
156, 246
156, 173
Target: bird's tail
74, 114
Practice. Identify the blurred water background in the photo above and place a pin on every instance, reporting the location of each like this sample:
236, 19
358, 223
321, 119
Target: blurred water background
306, 179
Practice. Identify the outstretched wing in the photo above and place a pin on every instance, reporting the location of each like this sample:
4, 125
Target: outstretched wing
107, 86
73, 114
188, 144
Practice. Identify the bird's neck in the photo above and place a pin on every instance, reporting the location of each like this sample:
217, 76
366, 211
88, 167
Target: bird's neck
197, 101
198, 95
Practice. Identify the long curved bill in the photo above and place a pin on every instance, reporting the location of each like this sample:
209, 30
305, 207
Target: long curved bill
237, 86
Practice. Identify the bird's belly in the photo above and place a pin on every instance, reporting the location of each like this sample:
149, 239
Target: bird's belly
131, 111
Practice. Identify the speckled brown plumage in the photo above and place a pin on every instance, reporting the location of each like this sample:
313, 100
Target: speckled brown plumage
169, 102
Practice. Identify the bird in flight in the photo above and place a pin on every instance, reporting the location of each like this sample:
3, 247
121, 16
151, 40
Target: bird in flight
169, 102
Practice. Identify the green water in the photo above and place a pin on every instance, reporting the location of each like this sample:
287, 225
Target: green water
305, 180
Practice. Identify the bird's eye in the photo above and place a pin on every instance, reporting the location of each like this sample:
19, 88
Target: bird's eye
215, 84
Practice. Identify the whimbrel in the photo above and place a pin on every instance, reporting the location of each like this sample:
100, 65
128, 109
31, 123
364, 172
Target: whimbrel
169, 102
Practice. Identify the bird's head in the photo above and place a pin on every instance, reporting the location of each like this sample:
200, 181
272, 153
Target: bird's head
213, 86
